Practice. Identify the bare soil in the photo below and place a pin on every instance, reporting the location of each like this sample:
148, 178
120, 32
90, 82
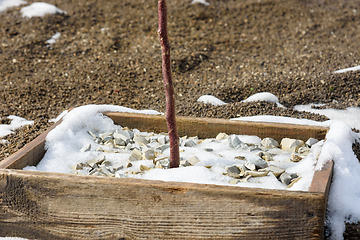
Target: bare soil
109, 53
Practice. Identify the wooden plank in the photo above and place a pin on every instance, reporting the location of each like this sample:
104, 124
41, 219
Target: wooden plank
210, 127
322, 179
30, 154
321, 183
49, 205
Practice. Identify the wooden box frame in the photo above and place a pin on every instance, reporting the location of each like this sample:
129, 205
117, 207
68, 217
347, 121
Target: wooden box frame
45, 205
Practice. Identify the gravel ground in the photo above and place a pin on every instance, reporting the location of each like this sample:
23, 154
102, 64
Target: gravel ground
110, 54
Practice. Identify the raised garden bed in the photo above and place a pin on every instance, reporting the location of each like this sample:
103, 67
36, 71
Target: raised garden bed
45, 205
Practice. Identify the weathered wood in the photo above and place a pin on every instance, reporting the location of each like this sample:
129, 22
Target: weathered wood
322, 179
210, 127
321, 183
51, 205
62, 206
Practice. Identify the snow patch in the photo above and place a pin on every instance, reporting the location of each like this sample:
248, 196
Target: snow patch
356, 68
16, 122
73, 128
40, 9
211, 99
264, 96
287, 120
200, 1
349, 115
54, 38
12, 238
344, 196
5, 4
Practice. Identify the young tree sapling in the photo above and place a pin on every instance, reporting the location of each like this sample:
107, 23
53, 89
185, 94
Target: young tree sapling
168, 85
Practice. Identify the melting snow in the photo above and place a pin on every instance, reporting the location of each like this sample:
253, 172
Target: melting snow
16, 122
53, 39
5, 4
356, 68
211, 99
40, 9
200, 1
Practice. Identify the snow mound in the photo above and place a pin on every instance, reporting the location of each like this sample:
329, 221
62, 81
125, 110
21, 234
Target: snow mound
200, 1
349, 115
344, 196
40, 9
5, 4
263, 96
356, 68
211, 99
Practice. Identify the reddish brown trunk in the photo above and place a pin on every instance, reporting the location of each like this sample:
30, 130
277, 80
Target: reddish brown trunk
168, 85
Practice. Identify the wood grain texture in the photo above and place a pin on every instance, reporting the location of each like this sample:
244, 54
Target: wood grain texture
210, 127
322, 178
39, 205
321, 183
55, 206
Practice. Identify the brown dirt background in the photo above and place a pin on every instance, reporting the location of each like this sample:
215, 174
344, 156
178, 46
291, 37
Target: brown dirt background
109, 53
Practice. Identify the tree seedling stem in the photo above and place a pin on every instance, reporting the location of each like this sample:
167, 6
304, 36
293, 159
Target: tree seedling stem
168, 86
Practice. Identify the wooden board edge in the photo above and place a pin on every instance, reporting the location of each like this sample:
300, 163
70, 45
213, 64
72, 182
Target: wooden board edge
263, 129
117, 115
30, 154
171, 186
321, 183
322, 179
